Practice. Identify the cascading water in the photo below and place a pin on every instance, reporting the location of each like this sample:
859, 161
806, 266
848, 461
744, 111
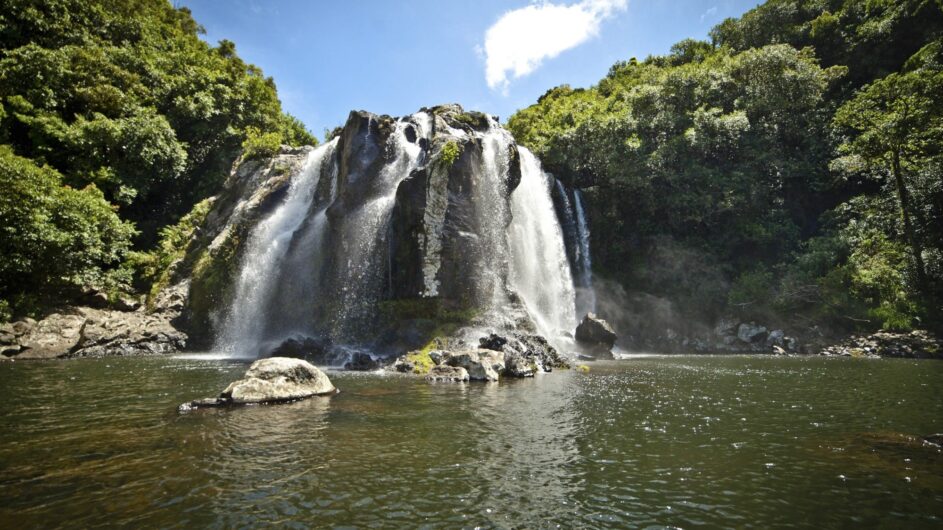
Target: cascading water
358, 267
491, 217
244, 326
540, 271
585, 294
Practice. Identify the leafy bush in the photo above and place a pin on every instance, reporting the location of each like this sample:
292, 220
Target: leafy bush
260, 144
450, 152
154, 268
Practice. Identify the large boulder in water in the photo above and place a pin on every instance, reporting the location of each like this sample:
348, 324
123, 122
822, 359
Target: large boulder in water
272, 380
278, 379
596, 332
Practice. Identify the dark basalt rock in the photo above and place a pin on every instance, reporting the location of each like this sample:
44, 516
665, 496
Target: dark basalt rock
524, 354
361, 361
300, 348
595, 331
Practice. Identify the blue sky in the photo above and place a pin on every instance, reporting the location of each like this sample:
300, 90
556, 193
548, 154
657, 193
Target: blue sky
395, 56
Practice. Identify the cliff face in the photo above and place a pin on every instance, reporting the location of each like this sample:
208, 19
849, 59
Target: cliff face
393, 233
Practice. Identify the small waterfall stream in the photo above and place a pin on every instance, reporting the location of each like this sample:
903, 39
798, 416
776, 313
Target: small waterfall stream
244, 325
585, 294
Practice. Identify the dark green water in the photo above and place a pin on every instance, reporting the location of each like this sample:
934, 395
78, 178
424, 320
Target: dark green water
675, 441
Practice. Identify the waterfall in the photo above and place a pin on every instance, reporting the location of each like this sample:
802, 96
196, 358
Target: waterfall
585, 294
540, 271
351, 232
244, 325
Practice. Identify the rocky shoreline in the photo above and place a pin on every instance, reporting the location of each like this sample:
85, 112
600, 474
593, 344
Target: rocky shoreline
918, 344
89, 332
82, 331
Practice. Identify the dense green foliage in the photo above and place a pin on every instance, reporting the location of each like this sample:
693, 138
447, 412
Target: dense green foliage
788, 170
123, 96
54, 239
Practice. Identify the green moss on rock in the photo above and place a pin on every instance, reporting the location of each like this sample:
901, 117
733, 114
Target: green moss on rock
450, 152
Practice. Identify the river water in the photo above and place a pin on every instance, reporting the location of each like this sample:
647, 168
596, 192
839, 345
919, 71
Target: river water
675, 441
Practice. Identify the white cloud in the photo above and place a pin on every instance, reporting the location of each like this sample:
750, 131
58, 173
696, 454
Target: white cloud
519, 42
709, 13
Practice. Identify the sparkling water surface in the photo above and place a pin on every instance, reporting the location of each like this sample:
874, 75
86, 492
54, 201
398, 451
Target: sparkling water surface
655, 441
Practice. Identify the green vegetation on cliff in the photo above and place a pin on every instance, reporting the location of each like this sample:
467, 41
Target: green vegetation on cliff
120, 99
791, 169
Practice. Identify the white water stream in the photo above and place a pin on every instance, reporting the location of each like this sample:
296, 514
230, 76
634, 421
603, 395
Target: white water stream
244, 325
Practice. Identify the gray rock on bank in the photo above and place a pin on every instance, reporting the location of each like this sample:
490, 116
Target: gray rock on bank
90, 332
917, 344
454, 374
272, 380
481, 365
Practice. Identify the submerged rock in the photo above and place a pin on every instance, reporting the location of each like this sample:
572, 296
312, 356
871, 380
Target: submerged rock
272, 380
362, 362
516, 365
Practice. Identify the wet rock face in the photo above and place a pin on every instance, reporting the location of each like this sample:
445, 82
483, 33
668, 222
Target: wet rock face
436, 243
253, 189
361, 154
409, 194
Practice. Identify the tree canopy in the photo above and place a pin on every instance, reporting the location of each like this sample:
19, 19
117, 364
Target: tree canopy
123, 100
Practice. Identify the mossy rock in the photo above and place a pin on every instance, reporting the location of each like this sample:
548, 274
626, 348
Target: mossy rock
473, 119
213, 280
